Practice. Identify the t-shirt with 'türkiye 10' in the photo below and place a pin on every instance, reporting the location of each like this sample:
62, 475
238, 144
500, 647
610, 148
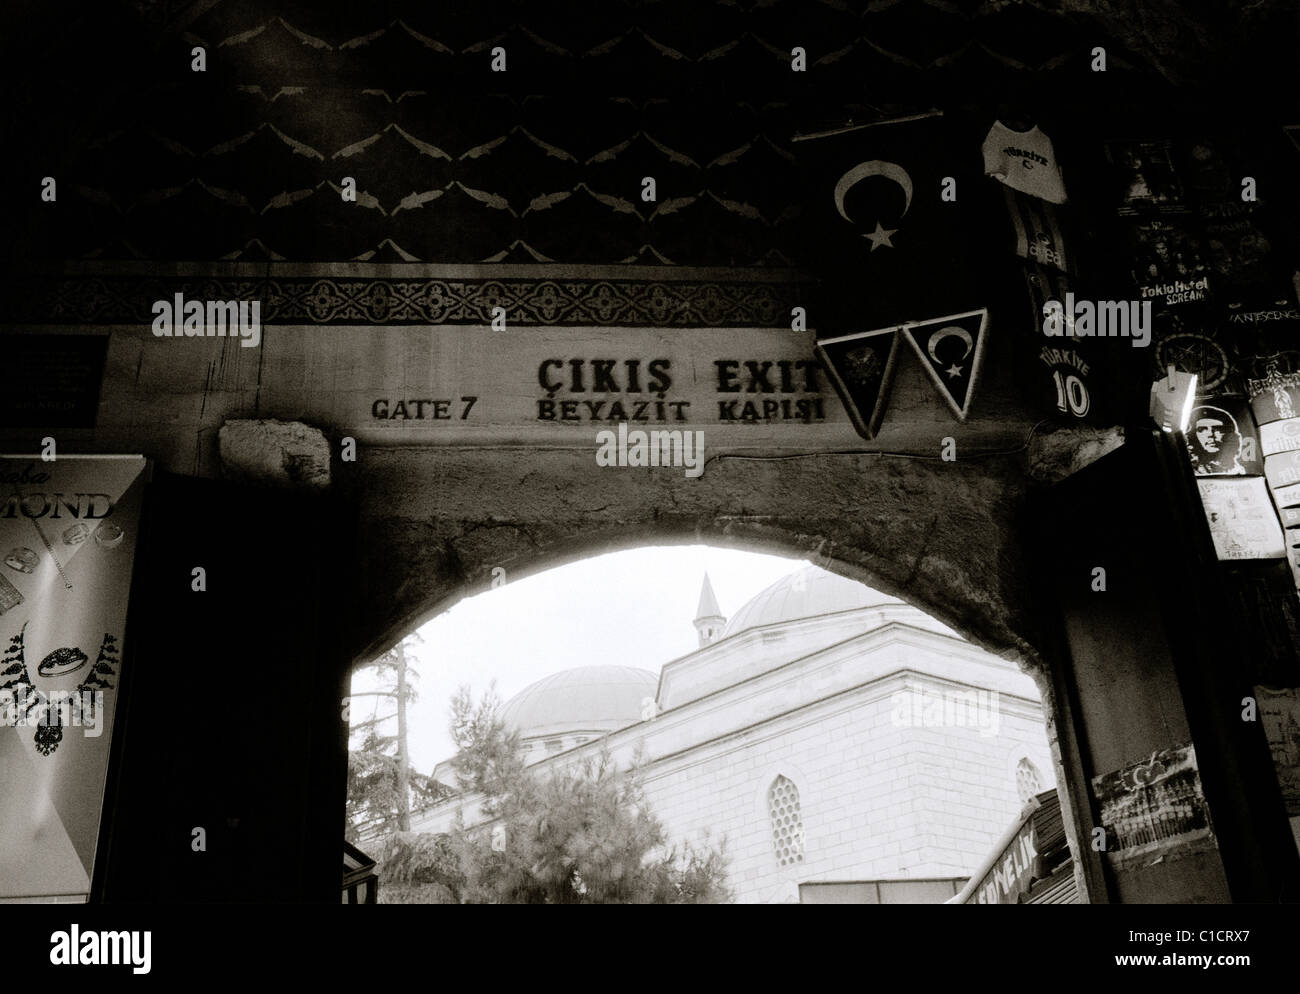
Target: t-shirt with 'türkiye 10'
1024, 161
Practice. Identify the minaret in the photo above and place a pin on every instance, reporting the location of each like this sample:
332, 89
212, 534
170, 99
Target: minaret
708, 618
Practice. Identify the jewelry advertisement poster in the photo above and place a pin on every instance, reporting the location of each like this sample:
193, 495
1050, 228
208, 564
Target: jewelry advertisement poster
68, 530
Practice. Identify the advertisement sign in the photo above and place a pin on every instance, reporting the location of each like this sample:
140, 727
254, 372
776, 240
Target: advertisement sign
1242, 521
1280, 436
1282, 469
1273, 382
1010, 877
68, 530
1279, 713
1158, 802
51, 381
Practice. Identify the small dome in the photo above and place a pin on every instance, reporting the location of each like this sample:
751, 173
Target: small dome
584, 699
806, 593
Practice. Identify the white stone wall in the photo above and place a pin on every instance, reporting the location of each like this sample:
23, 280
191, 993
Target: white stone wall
878, 801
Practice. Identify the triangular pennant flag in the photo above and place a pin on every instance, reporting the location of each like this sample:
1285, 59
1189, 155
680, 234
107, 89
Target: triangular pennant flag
950, 348
861, 366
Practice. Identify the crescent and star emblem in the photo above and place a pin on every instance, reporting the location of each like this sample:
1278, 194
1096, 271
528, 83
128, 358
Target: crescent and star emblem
865, 170
950, 331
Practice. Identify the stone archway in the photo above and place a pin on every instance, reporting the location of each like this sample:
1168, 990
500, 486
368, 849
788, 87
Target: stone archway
435, 525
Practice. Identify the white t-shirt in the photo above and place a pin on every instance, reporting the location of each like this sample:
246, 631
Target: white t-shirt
1024, 161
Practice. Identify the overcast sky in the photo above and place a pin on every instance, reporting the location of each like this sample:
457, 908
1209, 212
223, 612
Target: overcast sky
630, 608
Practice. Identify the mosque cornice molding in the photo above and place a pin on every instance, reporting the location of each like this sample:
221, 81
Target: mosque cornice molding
888, 635
796, 627
712, 655
1014, 704
370, 294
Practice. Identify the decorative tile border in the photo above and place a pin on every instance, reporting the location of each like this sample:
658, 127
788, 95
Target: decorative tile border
575, 296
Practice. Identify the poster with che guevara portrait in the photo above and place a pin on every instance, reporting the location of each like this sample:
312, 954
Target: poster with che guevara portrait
1222, 439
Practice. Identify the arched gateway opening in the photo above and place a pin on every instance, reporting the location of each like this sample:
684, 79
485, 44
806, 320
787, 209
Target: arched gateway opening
828, 742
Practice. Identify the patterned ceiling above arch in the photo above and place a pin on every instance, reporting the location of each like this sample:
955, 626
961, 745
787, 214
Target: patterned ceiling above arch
543, 163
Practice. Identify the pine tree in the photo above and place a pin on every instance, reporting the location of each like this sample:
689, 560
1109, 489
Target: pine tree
381, 784
579, 836
418, 868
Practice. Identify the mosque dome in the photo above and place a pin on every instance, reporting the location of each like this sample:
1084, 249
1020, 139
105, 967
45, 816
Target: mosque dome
805, 593
584, 699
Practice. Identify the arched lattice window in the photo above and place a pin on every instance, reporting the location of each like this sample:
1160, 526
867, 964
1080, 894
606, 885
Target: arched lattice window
1028, 780
787, 822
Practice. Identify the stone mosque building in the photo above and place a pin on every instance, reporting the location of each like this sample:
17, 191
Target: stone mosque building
841, 741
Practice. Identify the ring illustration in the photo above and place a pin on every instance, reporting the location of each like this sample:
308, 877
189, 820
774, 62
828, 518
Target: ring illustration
61, 662
75, 535
23, 559
108, 536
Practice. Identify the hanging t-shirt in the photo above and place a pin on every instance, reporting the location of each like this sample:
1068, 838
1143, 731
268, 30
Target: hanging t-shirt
1146, 177
1059, 374
1024, 161
1038, 230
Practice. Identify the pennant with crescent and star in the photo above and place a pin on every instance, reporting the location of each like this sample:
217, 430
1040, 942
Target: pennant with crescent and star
951, 349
